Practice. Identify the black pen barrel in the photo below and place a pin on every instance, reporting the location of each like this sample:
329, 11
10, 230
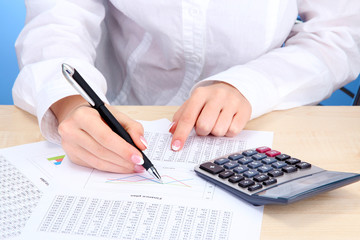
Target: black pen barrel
85, 86
95, 101
119, 129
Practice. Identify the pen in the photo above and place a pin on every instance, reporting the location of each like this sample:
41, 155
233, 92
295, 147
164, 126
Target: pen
93, 99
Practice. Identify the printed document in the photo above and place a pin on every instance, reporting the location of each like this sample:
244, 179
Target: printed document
85, 203
25, 174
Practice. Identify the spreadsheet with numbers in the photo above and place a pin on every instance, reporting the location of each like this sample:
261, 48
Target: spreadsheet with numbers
87, 204
19, 196
123, 219
26, 171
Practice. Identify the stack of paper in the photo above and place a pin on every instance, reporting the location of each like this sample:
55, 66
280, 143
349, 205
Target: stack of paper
83, 203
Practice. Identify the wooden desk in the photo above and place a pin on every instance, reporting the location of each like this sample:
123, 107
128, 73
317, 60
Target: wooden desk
328, 137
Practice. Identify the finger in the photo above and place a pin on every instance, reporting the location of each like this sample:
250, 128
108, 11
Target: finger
136, 132
237, 124
85, 141
186, 122
240, 118
103, 134
134, 128
223, 122
93, 161
113, 142
176, 117
172, 127
207, 118
178, 113
70, 152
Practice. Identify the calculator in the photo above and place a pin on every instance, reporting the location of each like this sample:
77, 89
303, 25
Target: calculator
264, 176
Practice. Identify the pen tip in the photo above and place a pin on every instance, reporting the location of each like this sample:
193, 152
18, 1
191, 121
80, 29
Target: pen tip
155, 174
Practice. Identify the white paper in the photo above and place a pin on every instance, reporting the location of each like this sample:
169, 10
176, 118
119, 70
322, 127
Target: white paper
89, 215
90, 204
198, 149
25, 173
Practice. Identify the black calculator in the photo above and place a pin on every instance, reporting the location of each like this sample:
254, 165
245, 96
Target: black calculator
264, 176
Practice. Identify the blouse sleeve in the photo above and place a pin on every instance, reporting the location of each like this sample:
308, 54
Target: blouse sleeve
56, 32
321, 55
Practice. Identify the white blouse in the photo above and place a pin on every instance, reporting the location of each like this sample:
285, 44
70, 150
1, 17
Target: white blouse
155, 52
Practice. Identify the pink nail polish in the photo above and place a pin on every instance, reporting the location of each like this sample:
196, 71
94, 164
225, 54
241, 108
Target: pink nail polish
137, 159
139, 168
143, 140
176, 145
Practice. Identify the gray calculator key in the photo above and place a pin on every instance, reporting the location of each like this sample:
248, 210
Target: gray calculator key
240, 169
259, 156
236, 178
245, 160
268, 160
276, 173
250, 173
282, 157
255, 187
292, 161
261, 178
231, 165
249, 153
235, 157
265, 169
255, 164
246, 183
221, 161
303, 165
270, 182
289, 169
211, 168
278, 165
226, 174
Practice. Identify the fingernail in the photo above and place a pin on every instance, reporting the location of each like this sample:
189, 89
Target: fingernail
143, 140
137, 159
170, 126
176, 145
139, 168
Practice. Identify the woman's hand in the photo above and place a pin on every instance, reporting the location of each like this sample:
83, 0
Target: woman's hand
218, 109
88, 141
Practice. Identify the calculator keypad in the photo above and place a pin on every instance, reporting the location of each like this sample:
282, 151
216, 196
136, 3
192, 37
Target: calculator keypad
255, 169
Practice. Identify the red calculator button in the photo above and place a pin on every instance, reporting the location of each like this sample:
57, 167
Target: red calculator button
263, 149
272, 153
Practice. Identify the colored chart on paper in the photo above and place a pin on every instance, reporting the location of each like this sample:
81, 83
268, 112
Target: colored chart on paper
141, 179
176, 182
56, 160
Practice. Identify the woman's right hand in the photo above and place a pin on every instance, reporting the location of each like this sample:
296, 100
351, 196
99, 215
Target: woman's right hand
88, 141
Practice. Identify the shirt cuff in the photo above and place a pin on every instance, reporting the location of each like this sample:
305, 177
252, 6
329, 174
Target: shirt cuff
57, 88
252, 84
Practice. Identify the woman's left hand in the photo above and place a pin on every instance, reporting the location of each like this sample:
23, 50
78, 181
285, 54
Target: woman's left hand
218, 109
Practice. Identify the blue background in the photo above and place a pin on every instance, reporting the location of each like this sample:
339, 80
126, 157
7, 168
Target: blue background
12, 19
